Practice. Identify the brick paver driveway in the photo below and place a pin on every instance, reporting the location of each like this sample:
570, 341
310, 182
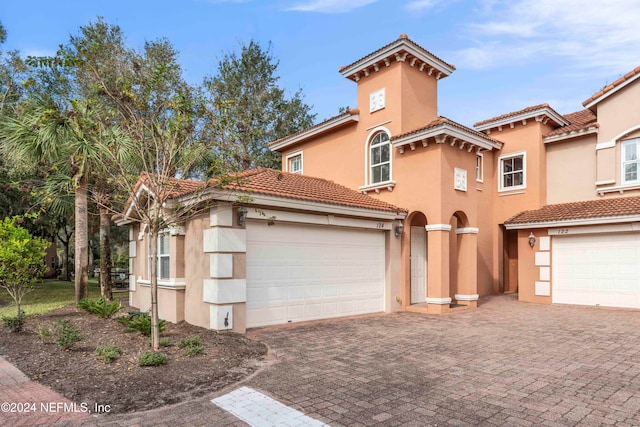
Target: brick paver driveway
506, 363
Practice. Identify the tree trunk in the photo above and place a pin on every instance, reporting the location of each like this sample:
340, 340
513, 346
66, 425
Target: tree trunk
82, 238
66, 244
155, 321
105, 254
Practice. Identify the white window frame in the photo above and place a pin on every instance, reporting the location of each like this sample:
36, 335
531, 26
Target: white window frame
370, 159
624, 162
479, 167
292, 156
162, 256
501, 159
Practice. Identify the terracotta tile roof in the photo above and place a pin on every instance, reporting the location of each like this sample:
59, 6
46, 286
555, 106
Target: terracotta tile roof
512, 114
282, 184
612, 86
403, 37
348, 113
300, 187
598, 208
443, 120
176, 188
580, 120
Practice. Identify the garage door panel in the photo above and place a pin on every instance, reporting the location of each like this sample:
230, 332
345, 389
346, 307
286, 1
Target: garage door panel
600, 269
327, 272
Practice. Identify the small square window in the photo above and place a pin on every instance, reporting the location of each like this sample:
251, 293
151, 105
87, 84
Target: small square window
512, 172
294, 163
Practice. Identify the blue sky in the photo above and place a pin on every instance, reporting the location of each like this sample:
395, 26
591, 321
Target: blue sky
509, 54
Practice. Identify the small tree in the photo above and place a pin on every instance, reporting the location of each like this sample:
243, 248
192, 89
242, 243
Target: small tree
21, 260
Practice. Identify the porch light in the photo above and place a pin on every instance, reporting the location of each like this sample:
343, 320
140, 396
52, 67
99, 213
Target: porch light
242, 215
398, 230
532, 239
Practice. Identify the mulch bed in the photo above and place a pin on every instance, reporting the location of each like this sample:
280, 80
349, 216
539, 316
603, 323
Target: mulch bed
126, 387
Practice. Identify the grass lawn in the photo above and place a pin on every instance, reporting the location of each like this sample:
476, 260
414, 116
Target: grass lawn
46, 297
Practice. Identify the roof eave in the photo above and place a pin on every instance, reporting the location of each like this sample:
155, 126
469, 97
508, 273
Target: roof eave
448, 129
570, 135
545, 111
314, 131
589, 103
394, 48
290, 202
574, 222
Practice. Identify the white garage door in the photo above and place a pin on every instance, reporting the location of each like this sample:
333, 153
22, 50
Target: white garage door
599, 269
305, 272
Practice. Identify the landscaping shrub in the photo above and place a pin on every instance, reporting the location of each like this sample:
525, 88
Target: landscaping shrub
108, 352
100, 306
191, 345
152, 358
140, 322
67, 334
14, 323
192, 350
44, 333
189, 341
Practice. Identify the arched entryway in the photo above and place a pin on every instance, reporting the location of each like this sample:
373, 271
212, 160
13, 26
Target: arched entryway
462, 261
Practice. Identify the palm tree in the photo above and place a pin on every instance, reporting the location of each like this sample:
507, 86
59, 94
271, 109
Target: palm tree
64, 137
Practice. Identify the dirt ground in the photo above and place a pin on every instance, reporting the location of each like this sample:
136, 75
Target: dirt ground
126, 387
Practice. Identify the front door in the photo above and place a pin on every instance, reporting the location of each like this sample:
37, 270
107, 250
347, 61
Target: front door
418, 265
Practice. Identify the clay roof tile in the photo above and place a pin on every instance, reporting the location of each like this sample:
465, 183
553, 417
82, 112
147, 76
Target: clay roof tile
598, 208
631, 74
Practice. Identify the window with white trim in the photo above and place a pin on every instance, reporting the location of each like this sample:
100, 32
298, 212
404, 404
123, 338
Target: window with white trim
630, 161
479, 167
380, 159
513, 171
163, 256
294, 163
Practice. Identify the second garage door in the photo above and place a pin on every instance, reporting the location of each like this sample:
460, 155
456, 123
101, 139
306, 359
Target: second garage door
306, 272
598, 269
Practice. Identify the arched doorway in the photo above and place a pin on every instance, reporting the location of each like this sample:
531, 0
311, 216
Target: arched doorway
418, 258
457, 269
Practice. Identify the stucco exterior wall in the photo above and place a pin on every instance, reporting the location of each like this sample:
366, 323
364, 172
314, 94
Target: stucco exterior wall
619, 119
619, 112
337, 156
534, 267
571, 170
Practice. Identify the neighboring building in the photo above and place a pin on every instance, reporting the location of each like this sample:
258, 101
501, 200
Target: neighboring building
51, 258
534, 202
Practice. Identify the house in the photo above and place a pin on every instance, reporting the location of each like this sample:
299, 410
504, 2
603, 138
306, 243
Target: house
390, 207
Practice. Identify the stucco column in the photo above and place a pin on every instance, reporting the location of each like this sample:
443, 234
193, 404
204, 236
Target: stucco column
438, 298
467, 266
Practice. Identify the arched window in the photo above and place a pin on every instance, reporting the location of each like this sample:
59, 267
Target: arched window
380, 158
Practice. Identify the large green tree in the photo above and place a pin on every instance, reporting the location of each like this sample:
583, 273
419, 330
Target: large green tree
248, 109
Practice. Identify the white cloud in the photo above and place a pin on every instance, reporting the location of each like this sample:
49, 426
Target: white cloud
580, 35
420, 5
329, 6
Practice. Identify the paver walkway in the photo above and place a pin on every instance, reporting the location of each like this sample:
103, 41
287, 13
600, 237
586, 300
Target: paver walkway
27, 403
506, 363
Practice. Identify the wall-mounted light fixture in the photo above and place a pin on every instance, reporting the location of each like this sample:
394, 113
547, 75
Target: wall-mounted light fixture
242, 215
532, 239
399, 229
